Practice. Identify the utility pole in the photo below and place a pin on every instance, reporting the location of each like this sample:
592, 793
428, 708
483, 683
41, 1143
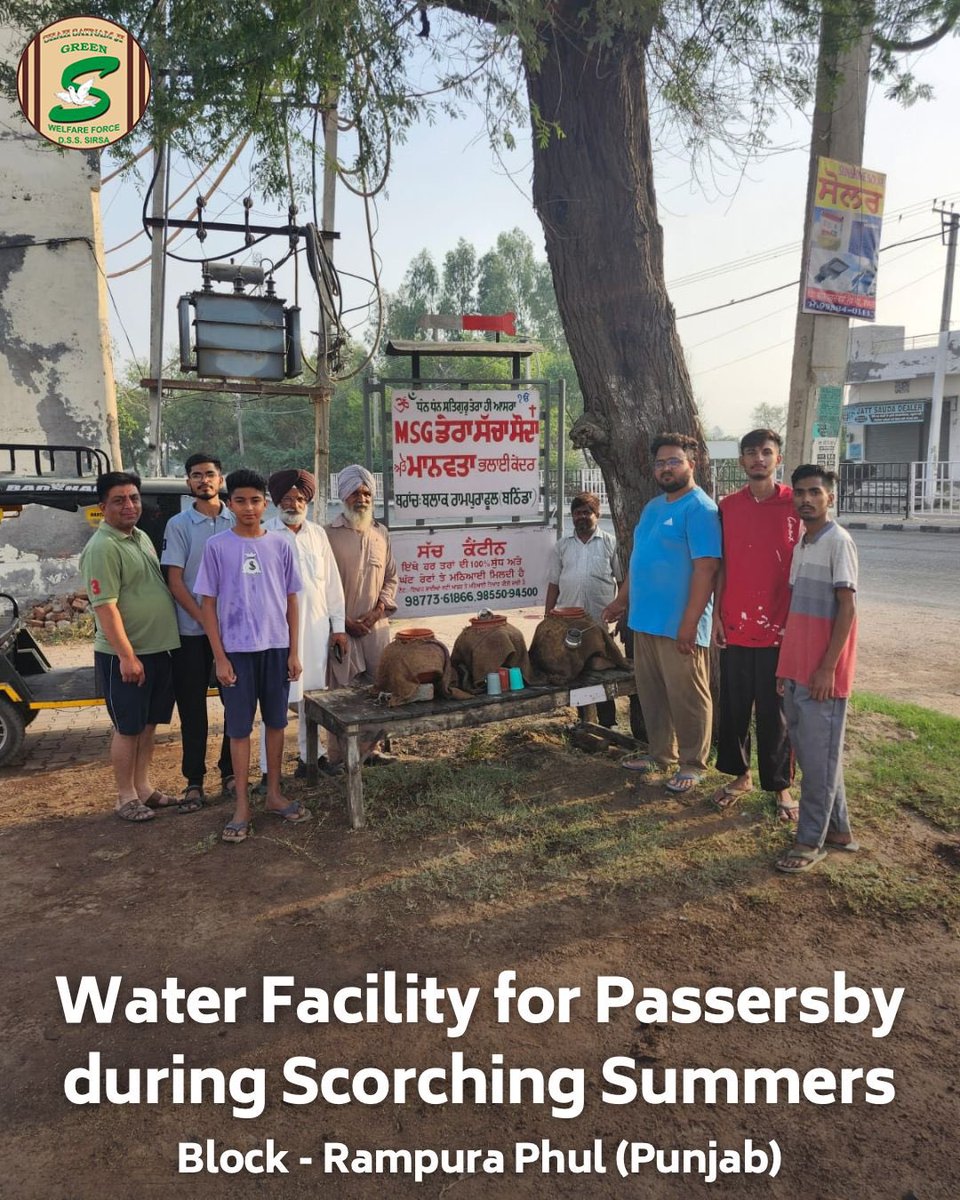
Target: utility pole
158, 267
321, 398
238, 409
820, 342
949, 223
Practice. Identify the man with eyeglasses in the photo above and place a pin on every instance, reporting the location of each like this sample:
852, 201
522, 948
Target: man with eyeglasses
667, 596
319, 602
184, 539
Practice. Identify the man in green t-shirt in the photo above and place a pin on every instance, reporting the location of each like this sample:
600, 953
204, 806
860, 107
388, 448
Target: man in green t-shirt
136, 628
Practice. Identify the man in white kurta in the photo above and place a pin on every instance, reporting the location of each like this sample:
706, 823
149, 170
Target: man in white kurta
320, 603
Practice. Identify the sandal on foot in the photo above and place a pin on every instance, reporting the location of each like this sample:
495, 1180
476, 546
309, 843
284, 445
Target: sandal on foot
134, 811
796, 861
236, 831
192, 800
683, 781
228, 788
728, 797
788, 814
644, 765
846, 847
293, 814
161, 801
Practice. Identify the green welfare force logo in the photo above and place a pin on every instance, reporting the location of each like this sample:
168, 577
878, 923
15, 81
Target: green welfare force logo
83, 82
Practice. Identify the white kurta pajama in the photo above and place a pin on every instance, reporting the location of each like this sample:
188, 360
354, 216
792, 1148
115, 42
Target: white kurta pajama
321, 611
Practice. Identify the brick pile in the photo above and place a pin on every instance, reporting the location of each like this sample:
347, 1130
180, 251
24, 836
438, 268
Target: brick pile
57, 614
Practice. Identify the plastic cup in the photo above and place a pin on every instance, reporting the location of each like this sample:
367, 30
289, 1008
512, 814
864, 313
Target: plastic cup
516, 679
493, 684
504, 679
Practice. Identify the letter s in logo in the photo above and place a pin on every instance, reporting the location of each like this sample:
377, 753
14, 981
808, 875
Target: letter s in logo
79, 116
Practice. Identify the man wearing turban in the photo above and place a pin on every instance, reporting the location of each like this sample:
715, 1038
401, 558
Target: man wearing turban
320, 603
361, 547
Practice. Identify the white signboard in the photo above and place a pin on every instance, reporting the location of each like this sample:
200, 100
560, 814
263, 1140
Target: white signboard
466, 454
901, 412
463, 570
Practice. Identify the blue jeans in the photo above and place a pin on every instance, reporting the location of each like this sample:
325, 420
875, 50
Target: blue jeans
816, 730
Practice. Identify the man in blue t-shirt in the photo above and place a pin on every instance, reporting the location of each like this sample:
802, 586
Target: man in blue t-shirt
667, 599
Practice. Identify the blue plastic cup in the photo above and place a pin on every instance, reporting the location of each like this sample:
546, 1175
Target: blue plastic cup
493, 684
516, 679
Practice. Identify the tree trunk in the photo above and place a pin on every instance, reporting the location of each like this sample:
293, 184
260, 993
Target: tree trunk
593, 191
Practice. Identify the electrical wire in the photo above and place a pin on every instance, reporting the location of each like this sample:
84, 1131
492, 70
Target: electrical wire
176, 233
794, 282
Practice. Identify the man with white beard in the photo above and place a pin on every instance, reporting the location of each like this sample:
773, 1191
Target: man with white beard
320, 602
361, 547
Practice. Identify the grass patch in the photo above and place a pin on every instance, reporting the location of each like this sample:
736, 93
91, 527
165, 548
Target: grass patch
905, 755
515, 817
870, 888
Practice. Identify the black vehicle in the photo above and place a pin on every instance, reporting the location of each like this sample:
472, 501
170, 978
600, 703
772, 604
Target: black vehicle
28, 681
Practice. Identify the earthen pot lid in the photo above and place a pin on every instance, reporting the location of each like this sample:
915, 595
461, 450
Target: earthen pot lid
412, 635
567, 612
488, 622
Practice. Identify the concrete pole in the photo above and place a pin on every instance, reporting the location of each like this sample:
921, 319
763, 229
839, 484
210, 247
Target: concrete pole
951, 221
820, 342
158, 266
321, 399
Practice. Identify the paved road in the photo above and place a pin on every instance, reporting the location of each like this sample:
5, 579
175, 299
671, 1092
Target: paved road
909, 615
909, 647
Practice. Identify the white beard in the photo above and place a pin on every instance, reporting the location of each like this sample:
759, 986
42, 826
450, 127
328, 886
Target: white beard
358, 520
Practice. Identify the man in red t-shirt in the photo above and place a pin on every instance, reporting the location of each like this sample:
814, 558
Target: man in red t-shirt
760, 529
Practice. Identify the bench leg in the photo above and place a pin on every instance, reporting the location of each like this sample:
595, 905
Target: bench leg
312, 752
354, 781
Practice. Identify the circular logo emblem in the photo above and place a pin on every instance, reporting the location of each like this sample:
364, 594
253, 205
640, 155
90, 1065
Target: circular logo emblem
83, 82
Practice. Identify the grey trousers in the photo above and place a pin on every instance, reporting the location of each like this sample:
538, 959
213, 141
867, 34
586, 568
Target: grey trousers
816, 730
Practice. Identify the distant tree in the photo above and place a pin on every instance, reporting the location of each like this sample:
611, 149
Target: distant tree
419, 293
458, 294
508, 278
770, 416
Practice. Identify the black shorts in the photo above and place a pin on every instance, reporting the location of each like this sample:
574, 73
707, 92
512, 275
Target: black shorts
133, 707
262, 676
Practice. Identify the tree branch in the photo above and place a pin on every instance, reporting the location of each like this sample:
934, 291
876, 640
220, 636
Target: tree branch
953, 12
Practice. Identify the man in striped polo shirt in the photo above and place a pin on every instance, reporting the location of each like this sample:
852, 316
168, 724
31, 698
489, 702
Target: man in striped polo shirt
816, 666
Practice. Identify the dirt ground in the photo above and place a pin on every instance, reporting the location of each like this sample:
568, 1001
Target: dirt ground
82, 894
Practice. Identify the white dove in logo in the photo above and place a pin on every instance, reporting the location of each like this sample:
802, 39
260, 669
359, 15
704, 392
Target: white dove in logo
78, 95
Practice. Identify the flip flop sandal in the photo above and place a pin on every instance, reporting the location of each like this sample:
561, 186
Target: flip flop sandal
803, 860
161, 802
846, 847
134, 811
788, 814
728, 797
228, 788
645, 765
236, 831
293, 814
192, 800
683, 782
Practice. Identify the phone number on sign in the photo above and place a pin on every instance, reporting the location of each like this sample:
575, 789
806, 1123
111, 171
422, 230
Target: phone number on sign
436, 598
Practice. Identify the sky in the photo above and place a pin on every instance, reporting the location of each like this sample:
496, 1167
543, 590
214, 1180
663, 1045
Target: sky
726, 237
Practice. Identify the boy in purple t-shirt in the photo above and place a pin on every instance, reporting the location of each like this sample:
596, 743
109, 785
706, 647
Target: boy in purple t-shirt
248, 580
